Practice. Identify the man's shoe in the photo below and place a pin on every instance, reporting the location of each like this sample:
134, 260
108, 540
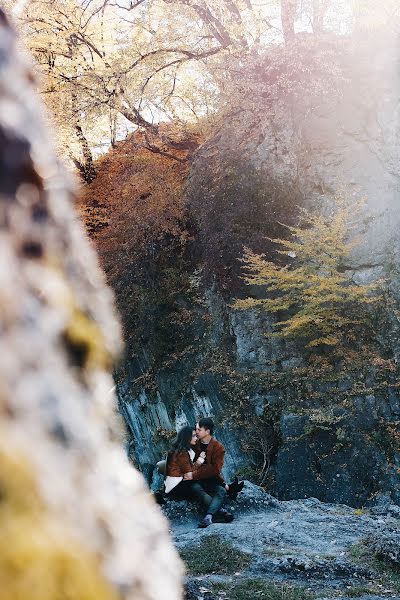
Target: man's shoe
219, 517
228, 517
205, 522
159, 497
223, 516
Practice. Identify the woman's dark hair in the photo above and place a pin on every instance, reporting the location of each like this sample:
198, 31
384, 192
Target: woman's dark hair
182, 440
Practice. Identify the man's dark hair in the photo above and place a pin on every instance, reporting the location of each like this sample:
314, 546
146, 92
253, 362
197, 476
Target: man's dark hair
207, 423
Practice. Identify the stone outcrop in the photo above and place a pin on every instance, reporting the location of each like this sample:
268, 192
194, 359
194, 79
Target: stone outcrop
326, 549
386, 545
335, 135
307, 132
76, 519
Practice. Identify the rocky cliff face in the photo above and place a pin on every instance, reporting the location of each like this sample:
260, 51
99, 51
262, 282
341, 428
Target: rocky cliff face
330, 129
344, 141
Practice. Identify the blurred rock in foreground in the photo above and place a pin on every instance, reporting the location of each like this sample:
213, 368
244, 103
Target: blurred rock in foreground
76, 520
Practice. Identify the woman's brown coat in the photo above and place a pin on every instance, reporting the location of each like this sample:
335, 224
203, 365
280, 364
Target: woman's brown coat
179, 463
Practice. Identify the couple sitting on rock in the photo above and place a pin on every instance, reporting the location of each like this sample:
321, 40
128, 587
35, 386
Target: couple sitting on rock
193, 470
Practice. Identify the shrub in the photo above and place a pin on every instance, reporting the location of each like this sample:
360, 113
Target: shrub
264, 590
214, 555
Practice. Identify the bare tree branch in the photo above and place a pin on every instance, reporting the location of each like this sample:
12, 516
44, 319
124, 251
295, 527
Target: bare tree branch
132, 5
237, 17
157, 150
216, 27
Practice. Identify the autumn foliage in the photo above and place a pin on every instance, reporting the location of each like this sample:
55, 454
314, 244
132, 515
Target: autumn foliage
312, 296
135, 212
138, 199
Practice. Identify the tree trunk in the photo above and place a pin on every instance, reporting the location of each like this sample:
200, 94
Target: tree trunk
320, 8
85, 167
288, 15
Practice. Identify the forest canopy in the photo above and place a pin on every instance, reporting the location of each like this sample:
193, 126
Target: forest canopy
109, 67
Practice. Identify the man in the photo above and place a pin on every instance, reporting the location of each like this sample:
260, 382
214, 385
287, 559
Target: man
208, 483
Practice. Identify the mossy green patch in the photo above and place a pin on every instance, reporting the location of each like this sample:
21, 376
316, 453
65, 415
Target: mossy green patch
262, 590
358, 552
214, 555
358, 591
387, 574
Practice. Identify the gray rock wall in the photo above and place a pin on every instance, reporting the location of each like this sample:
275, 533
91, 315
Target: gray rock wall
338, 136
149, 418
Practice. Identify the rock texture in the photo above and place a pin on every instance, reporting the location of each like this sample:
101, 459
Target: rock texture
304, 543
307, 134
76, 519
386, 545
322, 119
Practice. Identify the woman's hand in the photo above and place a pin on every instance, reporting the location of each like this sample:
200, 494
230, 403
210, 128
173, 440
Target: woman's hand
201, 458
188, 476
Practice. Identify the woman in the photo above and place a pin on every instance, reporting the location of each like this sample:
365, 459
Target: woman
180, 461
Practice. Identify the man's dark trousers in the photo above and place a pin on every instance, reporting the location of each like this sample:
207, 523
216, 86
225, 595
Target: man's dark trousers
210, 492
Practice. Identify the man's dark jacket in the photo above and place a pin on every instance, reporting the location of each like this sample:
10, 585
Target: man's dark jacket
214, 462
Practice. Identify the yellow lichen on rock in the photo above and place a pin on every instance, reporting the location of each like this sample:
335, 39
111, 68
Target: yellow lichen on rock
82, 336
85, 342
76, 520
38, 558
